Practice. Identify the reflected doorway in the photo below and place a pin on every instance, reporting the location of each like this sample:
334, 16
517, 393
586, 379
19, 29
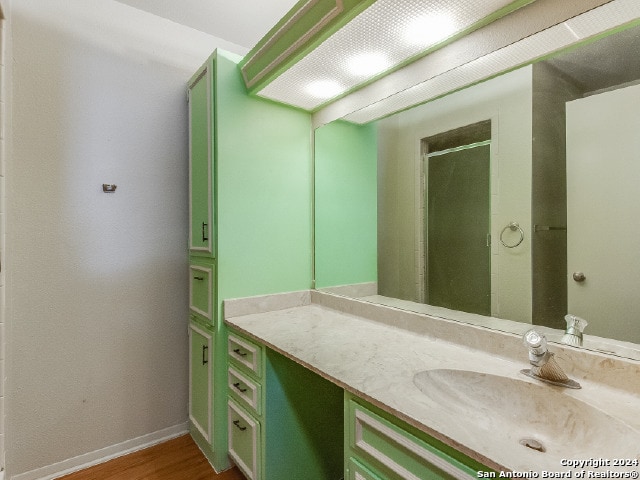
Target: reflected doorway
457, 219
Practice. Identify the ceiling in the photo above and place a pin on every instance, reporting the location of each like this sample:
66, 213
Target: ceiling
242, 22
245, 22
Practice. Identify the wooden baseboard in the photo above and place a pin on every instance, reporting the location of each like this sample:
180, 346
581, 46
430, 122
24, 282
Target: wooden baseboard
100, 456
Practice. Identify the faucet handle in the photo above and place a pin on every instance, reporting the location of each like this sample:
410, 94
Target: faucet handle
575, 324
536, 342
575, 327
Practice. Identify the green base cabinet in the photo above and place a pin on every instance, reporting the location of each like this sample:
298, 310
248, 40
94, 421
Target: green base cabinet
244, 440
245, 378
378, 446
284, 420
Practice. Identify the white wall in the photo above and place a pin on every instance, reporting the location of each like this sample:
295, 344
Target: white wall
96, 283
5, 89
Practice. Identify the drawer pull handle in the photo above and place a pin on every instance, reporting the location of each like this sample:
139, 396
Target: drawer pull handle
237, 385
198, 278
242, 354
205, 232
237, 424
205, 350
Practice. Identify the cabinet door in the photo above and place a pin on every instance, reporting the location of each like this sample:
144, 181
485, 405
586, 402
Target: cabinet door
201, 232
200, 387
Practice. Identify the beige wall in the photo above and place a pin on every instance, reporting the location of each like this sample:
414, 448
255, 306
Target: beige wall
506, 100
5, 128
96, 283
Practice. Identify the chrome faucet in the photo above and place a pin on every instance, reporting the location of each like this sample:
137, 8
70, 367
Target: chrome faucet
544, 366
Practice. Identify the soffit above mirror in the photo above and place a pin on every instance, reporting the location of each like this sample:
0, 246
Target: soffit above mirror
410, 87
321, 44
324, 49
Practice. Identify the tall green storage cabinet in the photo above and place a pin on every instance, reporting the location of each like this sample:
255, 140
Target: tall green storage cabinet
250, 223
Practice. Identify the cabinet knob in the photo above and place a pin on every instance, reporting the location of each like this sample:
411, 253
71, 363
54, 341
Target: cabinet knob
579, 277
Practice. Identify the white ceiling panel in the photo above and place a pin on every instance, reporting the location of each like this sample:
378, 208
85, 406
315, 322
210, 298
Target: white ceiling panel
384, 35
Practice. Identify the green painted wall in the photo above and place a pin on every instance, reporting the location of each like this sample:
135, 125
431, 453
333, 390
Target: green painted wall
264, 208
264, 191
309, 409
346, 204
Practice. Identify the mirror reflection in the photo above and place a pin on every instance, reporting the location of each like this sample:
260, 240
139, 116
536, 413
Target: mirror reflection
515, 198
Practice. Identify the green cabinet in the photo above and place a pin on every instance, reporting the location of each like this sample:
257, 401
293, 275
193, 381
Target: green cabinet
244, 440
200, 368
284, 421
201, 180
250, 229
202, 262
245, 402
378, 446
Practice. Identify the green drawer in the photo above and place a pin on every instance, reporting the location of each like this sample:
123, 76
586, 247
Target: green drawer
246, 391
245, 354
396, 453
201, 290
357, 471
244, 435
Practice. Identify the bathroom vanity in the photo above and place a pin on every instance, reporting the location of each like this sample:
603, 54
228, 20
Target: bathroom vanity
424, 397
385, 385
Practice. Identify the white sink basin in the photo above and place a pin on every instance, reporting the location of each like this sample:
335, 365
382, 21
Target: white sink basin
526, 421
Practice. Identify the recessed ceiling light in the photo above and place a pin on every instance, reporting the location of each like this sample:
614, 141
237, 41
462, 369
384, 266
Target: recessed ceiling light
324, 88
428, 30
367, 64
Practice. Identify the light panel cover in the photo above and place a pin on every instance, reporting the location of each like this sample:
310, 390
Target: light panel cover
391, 31
588, 24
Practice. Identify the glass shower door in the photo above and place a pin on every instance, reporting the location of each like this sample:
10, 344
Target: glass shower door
458, 224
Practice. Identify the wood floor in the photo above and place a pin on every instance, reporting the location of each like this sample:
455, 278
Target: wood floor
177, 459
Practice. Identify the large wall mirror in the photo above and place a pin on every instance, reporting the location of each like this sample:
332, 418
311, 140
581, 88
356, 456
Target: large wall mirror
511, 202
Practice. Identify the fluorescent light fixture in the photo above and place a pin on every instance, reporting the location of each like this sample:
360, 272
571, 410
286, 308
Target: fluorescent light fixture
367, 64
428, 30
380, 38
323, 89
417, 88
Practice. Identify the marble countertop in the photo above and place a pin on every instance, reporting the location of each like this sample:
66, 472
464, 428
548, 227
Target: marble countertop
377, 360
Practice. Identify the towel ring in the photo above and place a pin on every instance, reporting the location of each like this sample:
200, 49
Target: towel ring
513, 226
